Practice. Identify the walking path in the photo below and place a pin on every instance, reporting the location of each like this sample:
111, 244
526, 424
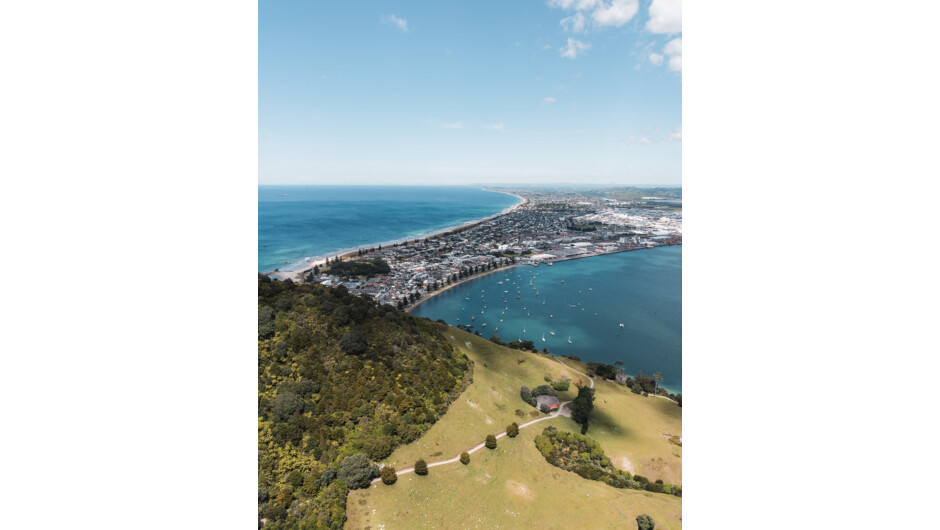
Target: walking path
498, 436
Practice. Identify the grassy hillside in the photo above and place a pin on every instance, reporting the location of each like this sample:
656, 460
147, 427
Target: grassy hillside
514, 485
338, 377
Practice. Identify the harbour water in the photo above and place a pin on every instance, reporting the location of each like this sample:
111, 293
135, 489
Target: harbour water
296, 223
617, 307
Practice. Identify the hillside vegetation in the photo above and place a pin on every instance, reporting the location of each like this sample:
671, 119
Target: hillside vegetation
341, 383
513, 486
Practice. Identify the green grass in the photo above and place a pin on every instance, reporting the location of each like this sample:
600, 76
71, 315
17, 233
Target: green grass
513, 486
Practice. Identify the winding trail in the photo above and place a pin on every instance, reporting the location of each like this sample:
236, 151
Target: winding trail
561, 408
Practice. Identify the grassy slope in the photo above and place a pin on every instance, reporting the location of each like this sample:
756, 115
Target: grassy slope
514, 485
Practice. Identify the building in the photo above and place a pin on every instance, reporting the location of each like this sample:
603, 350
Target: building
549, 401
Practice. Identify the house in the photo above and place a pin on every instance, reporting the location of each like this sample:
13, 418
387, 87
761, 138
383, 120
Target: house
549, 401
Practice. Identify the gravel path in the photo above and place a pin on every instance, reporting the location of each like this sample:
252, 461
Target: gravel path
476, 448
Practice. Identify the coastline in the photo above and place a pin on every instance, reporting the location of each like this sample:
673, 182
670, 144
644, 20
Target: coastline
410, 308
297, 274
413, 306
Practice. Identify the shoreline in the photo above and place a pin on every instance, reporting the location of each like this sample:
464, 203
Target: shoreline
298, 273
413, 306
410, 308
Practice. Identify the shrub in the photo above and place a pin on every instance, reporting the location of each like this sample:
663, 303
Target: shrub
543, 390
644, 522
520, 413
389, 476
421, 467
286, 404
274, 512
285, 496
525, 394
544, 408
490, 441
355, 470
512, 430
641, 479
561, 386
465, 458
295, 479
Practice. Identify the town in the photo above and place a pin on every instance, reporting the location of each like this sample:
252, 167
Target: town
547, 227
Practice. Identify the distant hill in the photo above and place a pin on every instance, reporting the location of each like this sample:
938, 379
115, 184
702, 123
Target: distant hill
339, 376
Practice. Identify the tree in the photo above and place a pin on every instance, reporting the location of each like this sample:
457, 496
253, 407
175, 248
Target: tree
389, 476
286, 404
513, 430
465, 458
356, 471
582, 405
525, 394
353, 342
490, 441
645, 522
421, 467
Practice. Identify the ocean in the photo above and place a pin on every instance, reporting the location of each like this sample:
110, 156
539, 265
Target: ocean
296, 223
586, 301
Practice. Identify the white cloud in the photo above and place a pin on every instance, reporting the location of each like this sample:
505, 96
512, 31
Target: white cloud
676, 135
645, 141
617, 13
675, 63
455, 125
496, 127
665, 16
575, 23
574, 48
673, 49
580, 5
548, 100
398, 21
656, 59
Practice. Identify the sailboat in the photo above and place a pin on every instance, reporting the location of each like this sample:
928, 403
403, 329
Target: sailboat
621, 324
569, 339
543, 336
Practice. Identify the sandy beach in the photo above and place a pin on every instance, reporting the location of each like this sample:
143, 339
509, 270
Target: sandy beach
297, 274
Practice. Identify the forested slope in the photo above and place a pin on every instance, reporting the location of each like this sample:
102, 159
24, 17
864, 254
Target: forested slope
341, 383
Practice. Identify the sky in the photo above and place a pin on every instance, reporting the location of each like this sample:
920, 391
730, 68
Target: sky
463, 93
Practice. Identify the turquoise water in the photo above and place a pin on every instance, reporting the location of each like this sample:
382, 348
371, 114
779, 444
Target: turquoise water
300, 222
641, 289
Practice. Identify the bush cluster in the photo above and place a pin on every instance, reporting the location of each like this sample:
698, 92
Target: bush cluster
584, 456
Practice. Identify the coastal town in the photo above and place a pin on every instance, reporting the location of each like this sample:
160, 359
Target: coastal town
545, 228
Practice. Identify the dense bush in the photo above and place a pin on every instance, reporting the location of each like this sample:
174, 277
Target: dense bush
389, 476
490, 441
584, 456
561, 385
607, 371
465, 458
421, 467
645, 522
337, 377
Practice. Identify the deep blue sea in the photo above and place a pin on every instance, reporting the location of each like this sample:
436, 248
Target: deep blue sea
585, 300
296, 223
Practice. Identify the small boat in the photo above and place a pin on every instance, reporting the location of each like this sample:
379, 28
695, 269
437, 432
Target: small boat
563, 281
473, 318
553, 333
518, 297
552, 316
484, 324
569, 339
621, 324
543, 337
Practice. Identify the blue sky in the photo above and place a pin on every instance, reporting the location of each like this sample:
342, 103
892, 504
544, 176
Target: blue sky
447, 92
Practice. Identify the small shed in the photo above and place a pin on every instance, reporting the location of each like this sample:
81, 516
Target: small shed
549, 401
